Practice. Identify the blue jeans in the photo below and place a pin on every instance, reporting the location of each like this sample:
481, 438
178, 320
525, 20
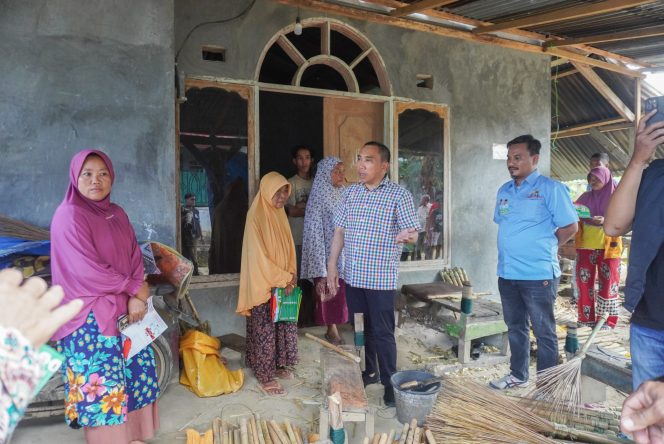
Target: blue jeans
647, 349
535, 300
380, 344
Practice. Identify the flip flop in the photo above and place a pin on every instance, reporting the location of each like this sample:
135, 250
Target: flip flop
283, 373
333, 340
272, 388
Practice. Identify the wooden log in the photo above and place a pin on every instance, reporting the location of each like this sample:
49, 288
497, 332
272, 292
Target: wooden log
404, 434
326, 344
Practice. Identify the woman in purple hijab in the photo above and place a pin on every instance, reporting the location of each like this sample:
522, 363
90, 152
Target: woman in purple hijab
597, 255
95, 257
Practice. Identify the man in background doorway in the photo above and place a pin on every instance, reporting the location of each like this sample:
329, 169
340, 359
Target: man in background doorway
191, 229
295, 207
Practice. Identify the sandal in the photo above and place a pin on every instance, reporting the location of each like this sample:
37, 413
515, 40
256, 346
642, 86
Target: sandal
272, 388
283, 373
334, 341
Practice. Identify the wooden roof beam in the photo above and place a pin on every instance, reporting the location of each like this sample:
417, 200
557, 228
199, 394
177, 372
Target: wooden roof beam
584, 129
376, 17
574, 12
443, 15
652, 31
421, 5
604, 89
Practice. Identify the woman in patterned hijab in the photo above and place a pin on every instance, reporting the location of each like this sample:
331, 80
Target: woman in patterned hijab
326, 194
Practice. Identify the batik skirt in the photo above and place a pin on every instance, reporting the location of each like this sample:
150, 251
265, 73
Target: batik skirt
100, 386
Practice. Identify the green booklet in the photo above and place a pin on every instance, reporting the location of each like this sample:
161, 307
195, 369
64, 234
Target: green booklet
582, 211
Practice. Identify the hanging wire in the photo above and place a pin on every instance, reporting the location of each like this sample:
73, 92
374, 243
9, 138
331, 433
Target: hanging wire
556, 115
214, 22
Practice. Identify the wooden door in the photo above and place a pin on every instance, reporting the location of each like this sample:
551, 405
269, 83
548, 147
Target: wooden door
348, 125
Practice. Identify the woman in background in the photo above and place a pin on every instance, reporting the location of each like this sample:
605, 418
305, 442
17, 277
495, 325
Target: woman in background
268, 261
326, 193
95, 257
597, 254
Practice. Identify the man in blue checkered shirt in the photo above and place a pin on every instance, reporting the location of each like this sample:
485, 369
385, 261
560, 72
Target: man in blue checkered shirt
375, 218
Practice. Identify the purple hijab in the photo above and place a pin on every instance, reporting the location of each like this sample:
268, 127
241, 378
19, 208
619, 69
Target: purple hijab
598, 201
94, 254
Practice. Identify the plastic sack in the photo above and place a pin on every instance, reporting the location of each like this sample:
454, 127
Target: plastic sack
203, 372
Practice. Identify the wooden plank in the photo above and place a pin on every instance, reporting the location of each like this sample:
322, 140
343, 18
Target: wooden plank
606, 92
290, 49
574, 12
563, 74
419, 6
584, 129
371, 16
617, 152
652, 31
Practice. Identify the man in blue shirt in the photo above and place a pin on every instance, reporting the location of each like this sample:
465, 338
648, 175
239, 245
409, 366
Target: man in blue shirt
534, 215
374, 219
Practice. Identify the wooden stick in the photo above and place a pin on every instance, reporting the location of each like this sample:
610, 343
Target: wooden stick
227, 437
430, 438
334, 347
383, 438
244, 436
273, 434
255, 420
365, 440
298, 435
404, 434
224, 432
280, 433
416, 436
411, 431
216, 430
390, 436
266, 432
236, 436
376, 438
289, 430
254, 431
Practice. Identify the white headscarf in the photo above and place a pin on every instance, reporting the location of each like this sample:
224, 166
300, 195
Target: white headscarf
319, 221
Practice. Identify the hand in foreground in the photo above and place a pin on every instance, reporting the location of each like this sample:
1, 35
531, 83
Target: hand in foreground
136, 309
332, 279
31, 308
598, 220
647, 139
643, 413
407, 236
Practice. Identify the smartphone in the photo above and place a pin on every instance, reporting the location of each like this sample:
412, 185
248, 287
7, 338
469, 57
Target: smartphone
655, 103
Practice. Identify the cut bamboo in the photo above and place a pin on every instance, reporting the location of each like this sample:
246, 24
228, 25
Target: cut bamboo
376, 438
266, 432
224, 432
289, 430
417, 436
404, 434
430, 438
365, 440
280, 433
326, 344
244, 435
390, 437
236, 436
411, 431
216, 430
274, 436
298, 435
255, 420
383, 438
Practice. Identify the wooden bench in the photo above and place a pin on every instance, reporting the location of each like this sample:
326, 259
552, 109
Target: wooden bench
344, 376
485, 320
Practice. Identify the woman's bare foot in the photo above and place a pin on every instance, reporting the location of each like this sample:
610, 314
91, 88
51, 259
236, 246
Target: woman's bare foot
273, 388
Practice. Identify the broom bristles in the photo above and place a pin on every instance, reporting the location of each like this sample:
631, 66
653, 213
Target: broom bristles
466, 412
15, 228
560, 387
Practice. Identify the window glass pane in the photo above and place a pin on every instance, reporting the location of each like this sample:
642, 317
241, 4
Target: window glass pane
420, 141
214, 169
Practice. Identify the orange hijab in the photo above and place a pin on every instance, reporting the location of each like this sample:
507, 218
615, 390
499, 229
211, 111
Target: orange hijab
268, 250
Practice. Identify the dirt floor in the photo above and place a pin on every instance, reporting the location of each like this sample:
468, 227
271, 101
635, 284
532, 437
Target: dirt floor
419, 347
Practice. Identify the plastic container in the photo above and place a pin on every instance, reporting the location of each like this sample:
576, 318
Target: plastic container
415, 403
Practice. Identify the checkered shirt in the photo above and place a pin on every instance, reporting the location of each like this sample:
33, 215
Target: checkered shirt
371, 220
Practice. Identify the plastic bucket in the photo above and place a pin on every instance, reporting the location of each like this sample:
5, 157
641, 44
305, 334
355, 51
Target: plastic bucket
414, 403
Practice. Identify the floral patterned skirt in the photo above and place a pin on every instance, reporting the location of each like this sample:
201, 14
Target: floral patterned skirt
100, 387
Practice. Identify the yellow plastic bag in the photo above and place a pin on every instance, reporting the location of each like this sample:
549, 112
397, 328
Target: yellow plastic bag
203, 372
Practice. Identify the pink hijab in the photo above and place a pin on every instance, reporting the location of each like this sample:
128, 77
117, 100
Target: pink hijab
597, 201
94, 254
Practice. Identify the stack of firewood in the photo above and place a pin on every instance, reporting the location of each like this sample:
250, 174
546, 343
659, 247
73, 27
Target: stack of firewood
410, 434
252, 429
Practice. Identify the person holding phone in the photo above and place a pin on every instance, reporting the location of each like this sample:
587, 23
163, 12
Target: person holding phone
637, 205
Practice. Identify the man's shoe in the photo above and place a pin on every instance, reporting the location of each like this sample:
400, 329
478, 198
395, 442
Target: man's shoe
388, 397
368, 379
508, 382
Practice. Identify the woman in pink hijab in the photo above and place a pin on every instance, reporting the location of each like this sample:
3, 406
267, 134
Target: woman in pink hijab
95, 257
597, 254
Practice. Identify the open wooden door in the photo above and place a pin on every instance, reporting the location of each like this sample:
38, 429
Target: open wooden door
348, 125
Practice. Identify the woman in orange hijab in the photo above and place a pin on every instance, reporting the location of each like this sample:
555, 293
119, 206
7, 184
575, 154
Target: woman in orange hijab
268, 260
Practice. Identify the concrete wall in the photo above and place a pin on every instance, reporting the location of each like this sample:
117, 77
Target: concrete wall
80, 74
494, 94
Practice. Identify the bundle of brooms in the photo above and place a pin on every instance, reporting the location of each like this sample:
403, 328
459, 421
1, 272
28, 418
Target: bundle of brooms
15, 228
466, 412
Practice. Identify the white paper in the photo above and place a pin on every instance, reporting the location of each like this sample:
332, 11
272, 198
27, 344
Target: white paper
499, 151
143, 332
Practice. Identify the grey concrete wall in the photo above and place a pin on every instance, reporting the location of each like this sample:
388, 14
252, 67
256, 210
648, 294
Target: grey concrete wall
493, 93
88, 73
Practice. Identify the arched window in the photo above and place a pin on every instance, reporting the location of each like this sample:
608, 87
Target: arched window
327, 55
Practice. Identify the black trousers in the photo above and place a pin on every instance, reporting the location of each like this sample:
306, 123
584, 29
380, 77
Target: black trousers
379, 323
